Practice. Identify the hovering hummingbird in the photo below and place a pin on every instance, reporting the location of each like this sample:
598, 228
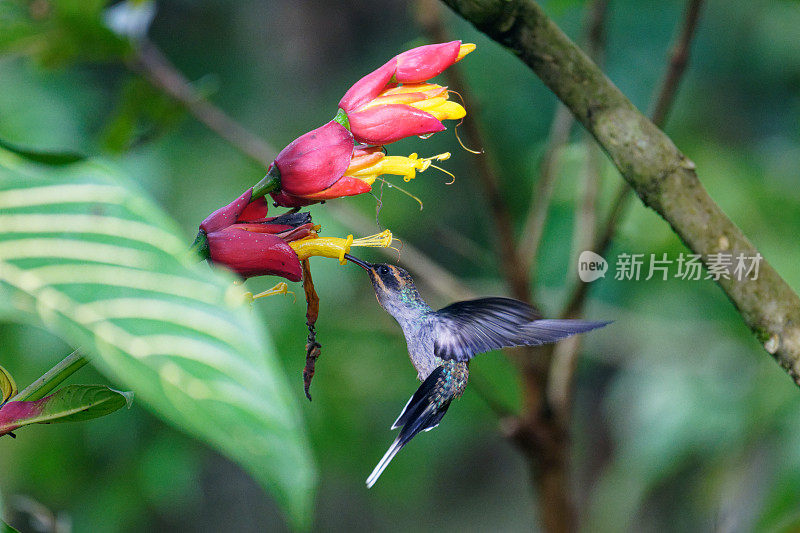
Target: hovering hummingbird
441, 343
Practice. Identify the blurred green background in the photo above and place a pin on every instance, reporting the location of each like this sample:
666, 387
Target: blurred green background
682, 422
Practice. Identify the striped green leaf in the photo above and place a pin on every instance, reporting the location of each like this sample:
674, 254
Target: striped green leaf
100, 266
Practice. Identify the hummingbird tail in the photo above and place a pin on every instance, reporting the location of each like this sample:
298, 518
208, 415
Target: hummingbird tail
423, 411
384, 462
425, 421
415, 409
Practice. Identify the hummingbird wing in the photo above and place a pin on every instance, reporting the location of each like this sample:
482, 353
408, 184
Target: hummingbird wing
466, 328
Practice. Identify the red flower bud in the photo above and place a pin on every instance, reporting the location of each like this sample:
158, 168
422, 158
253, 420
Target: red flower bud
366, 164
385, 124
254, 254
314, 161
381, 110
242, 238
424, 62
312, 168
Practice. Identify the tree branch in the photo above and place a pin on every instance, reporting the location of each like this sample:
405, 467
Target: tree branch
539, 436
661, 175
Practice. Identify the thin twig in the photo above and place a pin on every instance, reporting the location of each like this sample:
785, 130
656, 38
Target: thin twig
513, 268
619, 204
565, 354
558, 138
533, 230
153, 65
586, 214
678, 60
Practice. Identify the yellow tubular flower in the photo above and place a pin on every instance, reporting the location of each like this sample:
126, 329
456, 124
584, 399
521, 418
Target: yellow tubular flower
441, 108
336, 247
280, 288
427, 97
374, 163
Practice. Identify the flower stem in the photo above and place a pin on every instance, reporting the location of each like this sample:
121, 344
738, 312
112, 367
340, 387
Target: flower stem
199, 247
341, 118
52, 378
269, 183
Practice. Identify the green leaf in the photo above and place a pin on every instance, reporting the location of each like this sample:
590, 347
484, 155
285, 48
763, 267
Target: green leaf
46, 157
58, 32
8, 387
102, 267
142, 115
73, 403
5, 528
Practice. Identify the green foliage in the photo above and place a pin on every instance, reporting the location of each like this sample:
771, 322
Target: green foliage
58, 32
41, 156
5, 528
142, 115
8, 387
96, 263
73, 403
681, 422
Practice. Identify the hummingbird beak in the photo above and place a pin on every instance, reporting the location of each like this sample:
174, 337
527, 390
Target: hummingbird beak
363, 264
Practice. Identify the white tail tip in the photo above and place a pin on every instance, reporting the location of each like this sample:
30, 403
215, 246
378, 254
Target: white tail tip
383, 463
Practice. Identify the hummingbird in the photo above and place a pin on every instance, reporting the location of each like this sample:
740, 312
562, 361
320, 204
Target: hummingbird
441, 343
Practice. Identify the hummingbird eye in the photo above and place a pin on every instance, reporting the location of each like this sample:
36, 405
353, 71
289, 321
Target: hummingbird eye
383, 270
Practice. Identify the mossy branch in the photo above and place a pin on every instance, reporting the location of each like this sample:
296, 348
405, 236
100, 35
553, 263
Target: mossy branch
663, 178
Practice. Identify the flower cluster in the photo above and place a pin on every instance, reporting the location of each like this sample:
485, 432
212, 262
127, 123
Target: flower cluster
243, 238
341, 158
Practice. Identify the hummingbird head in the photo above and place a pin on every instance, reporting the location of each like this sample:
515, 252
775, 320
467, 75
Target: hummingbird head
394, 286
